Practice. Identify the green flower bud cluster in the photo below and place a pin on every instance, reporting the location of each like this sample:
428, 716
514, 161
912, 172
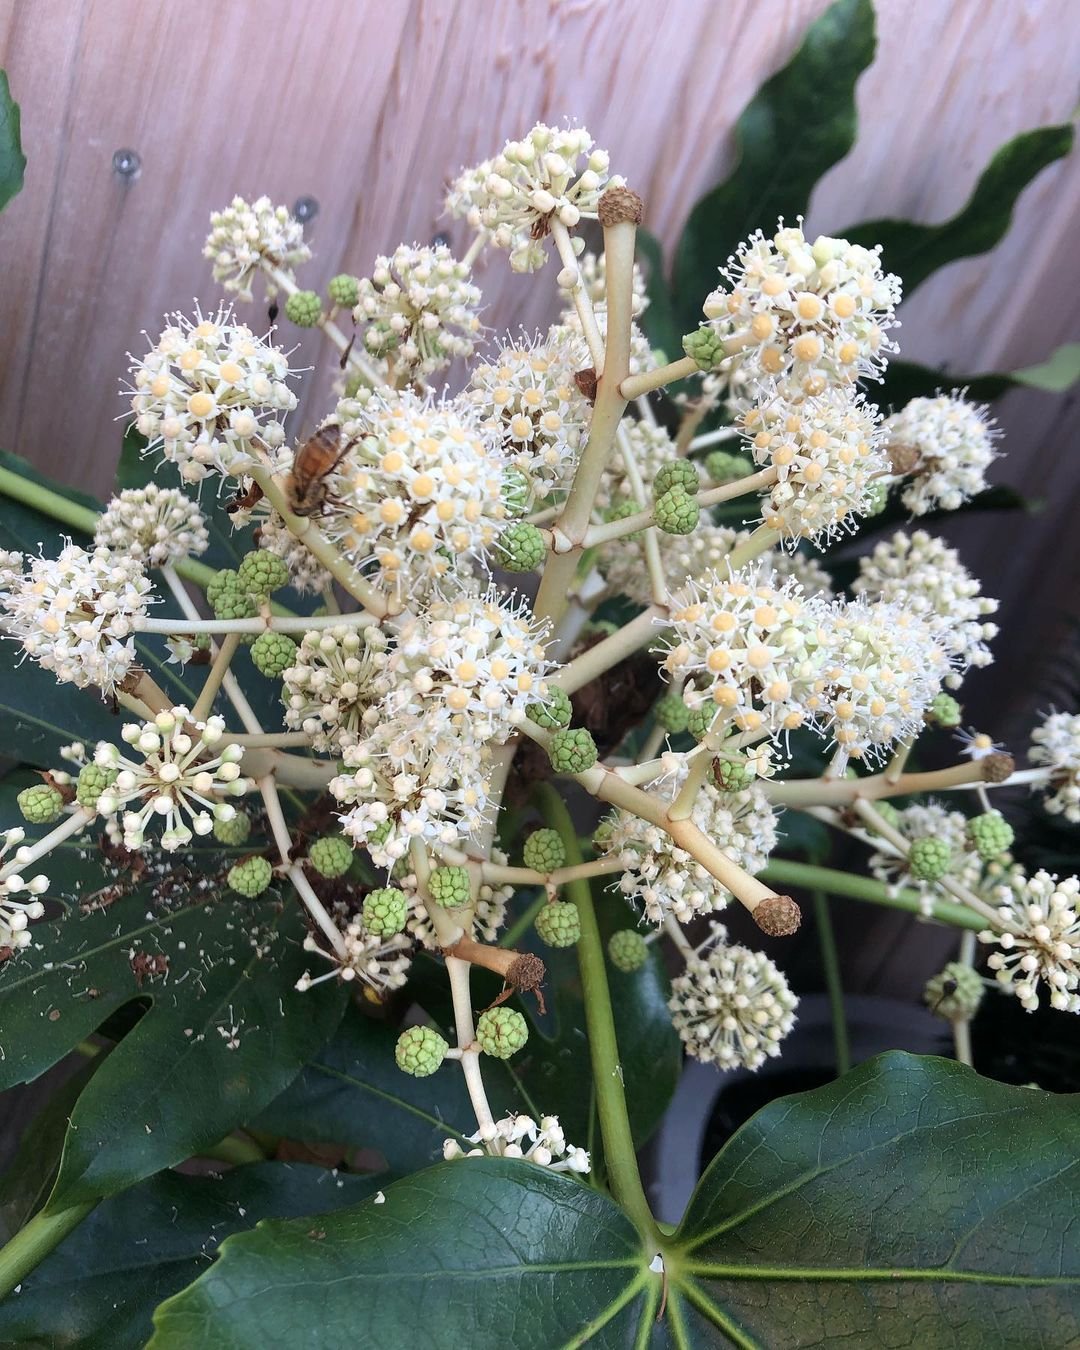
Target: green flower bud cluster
944, 710
705, 347
725, 466
303, 308
273, 653
677, 512
420, 1051
501, 1032
555, 712
449, 886
385, 911
889, 814
233, 831
672, 713
699, 720
516, 493
331, 856
520, 547
559, 924
228, 598
732, 775
929, 857
251, 876
40, 804
877, 498
677, 473
261, 572
344, 290
573, 750
627, 950
93, 780
955, 992
989, 835
544, 851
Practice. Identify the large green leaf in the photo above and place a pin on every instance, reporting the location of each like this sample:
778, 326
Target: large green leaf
98, 1290
798, 124
479, 1253
12, 159
904, 380
916, 251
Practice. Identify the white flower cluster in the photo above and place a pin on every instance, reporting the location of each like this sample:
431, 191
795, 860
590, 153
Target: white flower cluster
514, 197
929, 820
488, 909
332, 682
593, 271
307, 576
731, 1006
179, 775
1056, 743
950, 444
928, 577
378, 964
11, 565
152, 525
1040, 941
420, 308
244, 236
521, 1137
206, 391
77, 614
16, 914
668, 880
809, 313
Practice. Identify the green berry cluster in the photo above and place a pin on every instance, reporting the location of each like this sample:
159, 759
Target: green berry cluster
559, 923
544, 851
304, 308
700, 720
677, 473
621, 511
627, 950
944, 710
555, 712
705, 347
677, 512
889, 814
573, 750
233, 831
520, 547
331, 856
725, 466
420, 1051
40, 804
516, 493
732, 775
501, 1032
449, 886
251, 876
929, 857
93, 780
385, 911
989, 835
344, 290
228, 598
261, 572
672, 713
877, 498
273, 653
955, 992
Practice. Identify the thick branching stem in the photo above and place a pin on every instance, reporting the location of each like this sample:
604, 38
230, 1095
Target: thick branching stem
608, 653
204, 704
633, 386
70, 825
294, 871
843, 791
263, 623
582, 302
617, 529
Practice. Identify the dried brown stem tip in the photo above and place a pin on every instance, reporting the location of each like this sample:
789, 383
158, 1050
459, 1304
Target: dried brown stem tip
619, 204
522, 972
903, 458
778, 916
997, 767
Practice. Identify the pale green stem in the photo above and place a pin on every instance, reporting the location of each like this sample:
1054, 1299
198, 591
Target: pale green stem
475, 249
843, 791
280, 830
633, 386
297, 772
579, 295
235, 1149
653, 561
714, 438
830, 966
35, 1240
616, 529
961, 1026
785, 873
759, 542
586, 667
214, 676
258, 624
498, 875
267, 740
27, 854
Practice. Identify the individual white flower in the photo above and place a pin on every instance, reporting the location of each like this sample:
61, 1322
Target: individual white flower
11, 566
667, 879
420, 308
207, 391
928, 576
514, 197
243, 237
947, 445
882, 666
521, 1137
827, 452
731, 1006
527, 399
815, 313
378, 964
488, 910
335, 677
77, 614
179, 775
16, 914
1056, 743
748, 645
923, 820
1041, 941
153, 525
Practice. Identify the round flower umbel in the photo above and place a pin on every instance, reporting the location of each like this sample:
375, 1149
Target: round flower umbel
152, 525
488, 911
731, 1006
420, 308
419, 495
593, 269
334, 678
77, 614
927, 576
178, 776
553, 173
521, 1137
948, 830
526, 397
15, 913
207, 392
1041, 941
1056, 743
665, 878
381, 964
882, 664
244, 236
827, 452
816, 313
307, 576
947, 445
749, 647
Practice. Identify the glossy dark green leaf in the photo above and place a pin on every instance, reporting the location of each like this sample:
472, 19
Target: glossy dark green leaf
485, 1253
909, 1203
12, 159
99, 1289
915, 251
797, 126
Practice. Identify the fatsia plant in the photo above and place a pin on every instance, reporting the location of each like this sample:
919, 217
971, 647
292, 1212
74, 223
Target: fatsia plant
362, 782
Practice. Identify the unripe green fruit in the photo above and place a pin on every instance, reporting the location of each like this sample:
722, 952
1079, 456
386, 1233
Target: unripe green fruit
520, 547
955, 992
559, 924
449, 886
501, 1032
677, 473
93, 780
228, 598
732, 775
303, 308
705, 347
877, 499
725, 466
888, 813
251, 877
420, 1051
573, 750
344, 290
544, 851
273, 653
235, 831
40, 804
556, 710
929, 858
261, 572
672, 713
331, 856
699, 720
677, 512
944, 710
516, 492
385, 911
627, 950
989, 835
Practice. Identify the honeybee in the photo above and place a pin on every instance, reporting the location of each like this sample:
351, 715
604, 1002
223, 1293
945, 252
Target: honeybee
314, 462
